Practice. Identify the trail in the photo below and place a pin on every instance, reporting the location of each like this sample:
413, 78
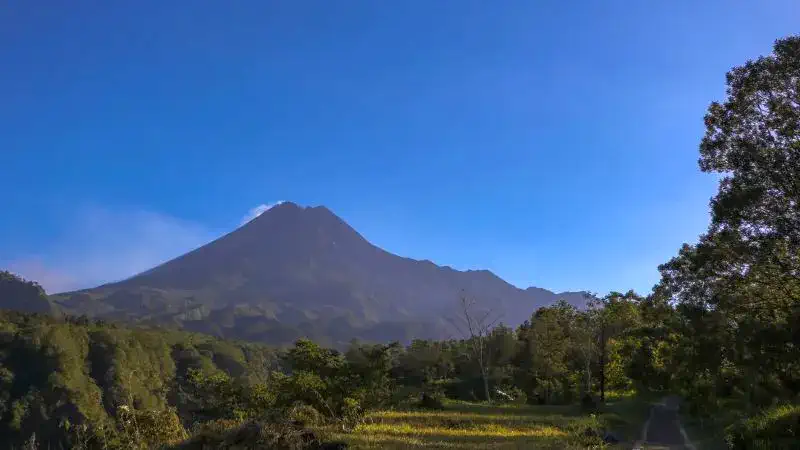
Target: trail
663, 428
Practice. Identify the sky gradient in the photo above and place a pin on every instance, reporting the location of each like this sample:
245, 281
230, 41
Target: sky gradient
556, 146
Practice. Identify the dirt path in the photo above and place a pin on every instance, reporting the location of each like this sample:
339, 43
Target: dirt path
663, 429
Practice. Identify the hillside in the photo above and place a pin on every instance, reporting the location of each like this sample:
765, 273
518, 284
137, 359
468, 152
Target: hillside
302, 271
57, 372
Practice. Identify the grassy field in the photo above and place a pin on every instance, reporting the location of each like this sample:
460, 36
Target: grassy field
475, 425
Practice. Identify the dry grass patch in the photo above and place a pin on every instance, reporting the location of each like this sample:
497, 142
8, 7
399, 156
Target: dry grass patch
473, 425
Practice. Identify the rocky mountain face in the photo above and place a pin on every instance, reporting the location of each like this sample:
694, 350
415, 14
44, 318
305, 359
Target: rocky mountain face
302, 271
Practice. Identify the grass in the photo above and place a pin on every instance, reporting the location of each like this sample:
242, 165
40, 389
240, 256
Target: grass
484, 426
774, 427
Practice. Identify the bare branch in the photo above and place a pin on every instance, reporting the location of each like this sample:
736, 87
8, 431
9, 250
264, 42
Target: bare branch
478, 325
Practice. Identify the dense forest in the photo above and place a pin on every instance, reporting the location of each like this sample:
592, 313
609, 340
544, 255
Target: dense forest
721, 329
73, 381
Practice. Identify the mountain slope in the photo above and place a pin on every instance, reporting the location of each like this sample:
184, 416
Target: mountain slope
303, 271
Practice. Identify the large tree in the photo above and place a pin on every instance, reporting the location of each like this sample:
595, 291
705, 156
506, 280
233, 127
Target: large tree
614, 315
744, 273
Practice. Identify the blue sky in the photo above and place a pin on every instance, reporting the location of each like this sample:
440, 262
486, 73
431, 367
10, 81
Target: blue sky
555, 145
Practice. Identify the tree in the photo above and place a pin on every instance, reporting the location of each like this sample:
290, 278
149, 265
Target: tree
586, 344
475, 325
750, 258
548, 347
753, 140
369, 367
424, 362
617, 314
744, 273
308, 356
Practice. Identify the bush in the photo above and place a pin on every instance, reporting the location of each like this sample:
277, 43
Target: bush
406, 396
351, 413
469, 389
217, 427
702, 393
150, 429
515, 395
588, 403
304, 415
431, 401
774, 428
278, 435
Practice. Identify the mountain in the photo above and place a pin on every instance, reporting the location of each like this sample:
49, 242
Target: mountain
302, 271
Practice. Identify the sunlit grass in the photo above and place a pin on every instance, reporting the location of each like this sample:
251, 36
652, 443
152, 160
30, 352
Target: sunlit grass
475, 425
490, 430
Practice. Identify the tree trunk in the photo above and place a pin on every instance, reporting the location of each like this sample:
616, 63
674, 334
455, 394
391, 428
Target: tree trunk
602, 364
484, 370
486, 386
588, 376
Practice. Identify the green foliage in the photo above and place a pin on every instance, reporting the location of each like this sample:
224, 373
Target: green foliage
738, 288
721, 325
431, 401
273, 433
305, 415
369, 368
69, 379
308, 356
351, 413
132, 366
548, 347
149, 429
219, 396
777, 427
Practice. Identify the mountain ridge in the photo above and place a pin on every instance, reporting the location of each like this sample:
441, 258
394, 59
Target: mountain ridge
294, 271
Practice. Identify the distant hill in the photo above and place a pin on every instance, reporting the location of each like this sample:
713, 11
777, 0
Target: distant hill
302, 271
21, 295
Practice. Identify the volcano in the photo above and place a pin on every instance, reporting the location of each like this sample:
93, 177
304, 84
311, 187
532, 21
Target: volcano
303, 272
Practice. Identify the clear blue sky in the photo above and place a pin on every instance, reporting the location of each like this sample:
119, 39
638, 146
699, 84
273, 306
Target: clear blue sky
555, 145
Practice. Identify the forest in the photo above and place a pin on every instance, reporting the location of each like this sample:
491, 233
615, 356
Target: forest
721, 329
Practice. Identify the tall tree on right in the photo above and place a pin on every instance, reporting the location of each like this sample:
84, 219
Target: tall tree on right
744, 273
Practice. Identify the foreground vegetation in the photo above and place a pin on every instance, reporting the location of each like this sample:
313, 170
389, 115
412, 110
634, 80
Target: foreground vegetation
80, 383
721, 329
481, 425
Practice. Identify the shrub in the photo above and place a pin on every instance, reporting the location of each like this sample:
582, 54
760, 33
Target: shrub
702, 393
304, 415
406, 396
351, 413
510, 394
431, 401
278, 435
150, 429
217, 427
774, 428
